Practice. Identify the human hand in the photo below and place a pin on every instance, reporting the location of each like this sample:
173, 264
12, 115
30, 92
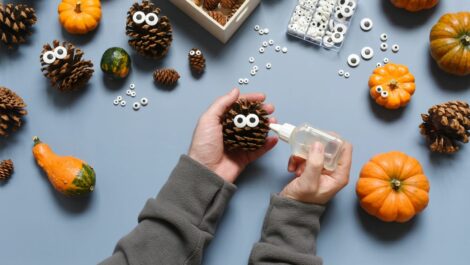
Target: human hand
314, 184
207, 146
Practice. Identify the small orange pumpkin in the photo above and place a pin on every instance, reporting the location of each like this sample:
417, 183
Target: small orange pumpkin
68, 175
79, 16
392, 86
393, 187
450, 43
415, 5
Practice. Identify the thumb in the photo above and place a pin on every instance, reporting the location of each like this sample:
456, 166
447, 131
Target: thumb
221, 105
315, 163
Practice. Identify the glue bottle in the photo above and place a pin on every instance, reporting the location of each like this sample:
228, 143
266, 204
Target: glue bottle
302, 137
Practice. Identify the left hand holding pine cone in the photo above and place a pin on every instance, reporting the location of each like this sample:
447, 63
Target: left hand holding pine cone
207, 146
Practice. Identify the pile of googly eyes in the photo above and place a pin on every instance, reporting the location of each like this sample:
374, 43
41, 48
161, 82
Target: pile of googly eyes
120, 101
265, 45
322, 22
367, 53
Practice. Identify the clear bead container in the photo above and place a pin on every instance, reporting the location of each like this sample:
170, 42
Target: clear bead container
322, 22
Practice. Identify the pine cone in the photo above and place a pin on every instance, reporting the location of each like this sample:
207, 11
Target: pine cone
149, 40
197, 62
219, 17
445, 125
229, 4
64, 66
12, 110
211, 4
245, 126
6, 169
166, 76
198, 2
16, 21
234, 9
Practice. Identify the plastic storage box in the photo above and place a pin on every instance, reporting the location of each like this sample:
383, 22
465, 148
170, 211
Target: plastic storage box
322, 22
222, 33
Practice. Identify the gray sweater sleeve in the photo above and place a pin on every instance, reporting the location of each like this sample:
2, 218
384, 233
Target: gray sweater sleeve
175, 227
289, 233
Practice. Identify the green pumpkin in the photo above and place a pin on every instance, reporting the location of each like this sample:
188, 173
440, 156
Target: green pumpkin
116, 62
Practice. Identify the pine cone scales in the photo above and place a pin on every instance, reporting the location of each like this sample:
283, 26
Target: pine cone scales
166, 76
219, 17
211, 4
6, 169
197, 61
229, 4
12, 110
445, 125
234, 9
148, 39
16, 21
245, 126
64, 65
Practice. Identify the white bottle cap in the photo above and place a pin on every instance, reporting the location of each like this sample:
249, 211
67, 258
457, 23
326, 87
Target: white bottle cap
284, 131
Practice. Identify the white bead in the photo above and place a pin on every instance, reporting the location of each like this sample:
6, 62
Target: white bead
366, 24
266, 31
246, 81
251, 59
367, 53
261, 50
284, 50
395, 48
354, 60
269, 66
253, 72
347, 75
378, 65
277, 49
265, 44
132, 86
271, 42
136, 106
256, 68
128, 92
383, 37
133, 94
341, 72
257, 27
123, 103
119, 98
384, 46
240, 81
261, 32
386, 60
116, 102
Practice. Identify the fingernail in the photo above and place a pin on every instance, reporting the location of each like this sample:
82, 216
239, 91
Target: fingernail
318, 147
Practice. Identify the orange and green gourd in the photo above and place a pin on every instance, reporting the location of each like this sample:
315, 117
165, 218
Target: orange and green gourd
68, 175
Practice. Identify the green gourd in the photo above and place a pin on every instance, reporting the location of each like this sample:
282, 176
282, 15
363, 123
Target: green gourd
116, 63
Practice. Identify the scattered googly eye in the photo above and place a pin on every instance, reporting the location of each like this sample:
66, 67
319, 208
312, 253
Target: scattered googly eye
265, 44
240, 121
128, 92
284, 50
151, 19
341, 72
246, 81
395, 48
386, 60
261, 50
123, 103
366, 24
136, 106
266, 31
144, 101
384, 94
116, 102
384, 46
133, 94
240, 81
192, 52
354, 60
198, 53
378, 65
257, 28
251, 59
347, 75
269, 66
48, 57
261, 31
119, 98
252, 120
271, 42
253, 72
277, 49
132, 86
60, 52
139, 17
383, 37
379, 89
255, 67
367, 53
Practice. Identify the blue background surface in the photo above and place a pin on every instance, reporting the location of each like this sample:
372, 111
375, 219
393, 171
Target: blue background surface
133, 152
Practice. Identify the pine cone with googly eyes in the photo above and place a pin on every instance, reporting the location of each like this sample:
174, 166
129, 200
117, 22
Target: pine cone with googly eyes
65, 67
197, 61
245, 126
150, 34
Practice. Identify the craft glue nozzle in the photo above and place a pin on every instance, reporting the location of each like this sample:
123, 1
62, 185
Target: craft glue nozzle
284, 131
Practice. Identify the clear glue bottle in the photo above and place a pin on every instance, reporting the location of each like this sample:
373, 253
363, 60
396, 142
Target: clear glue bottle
302, 137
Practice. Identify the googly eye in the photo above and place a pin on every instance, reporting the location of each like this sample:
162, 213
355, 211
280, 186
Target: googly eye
383, 46
139, 17
378, 65
395, 48
48, 57
253, 72
151, 19
144, 101
265, 44
60, 52
128, 92
240, 121
240, 81
386, 60
132, 86
261, 50
119, 98
251, 59
198, 53
379, 89
347, 75
252, 120
133, 94
366, 24
278, 48
123, 103
384, 94
116, 102
354, 60
246, 81
136, 106
383, 37
192, 53
367, 53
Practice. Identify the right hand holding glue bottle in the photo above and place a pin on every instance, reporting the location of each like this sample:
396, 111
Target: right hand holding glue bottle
321, 162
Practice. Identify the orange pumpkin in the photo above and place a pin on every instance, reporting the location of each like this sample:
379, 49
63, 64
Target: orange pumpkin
415, 5
68, 175
450, 43
392, 86
393, 187
79, 16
